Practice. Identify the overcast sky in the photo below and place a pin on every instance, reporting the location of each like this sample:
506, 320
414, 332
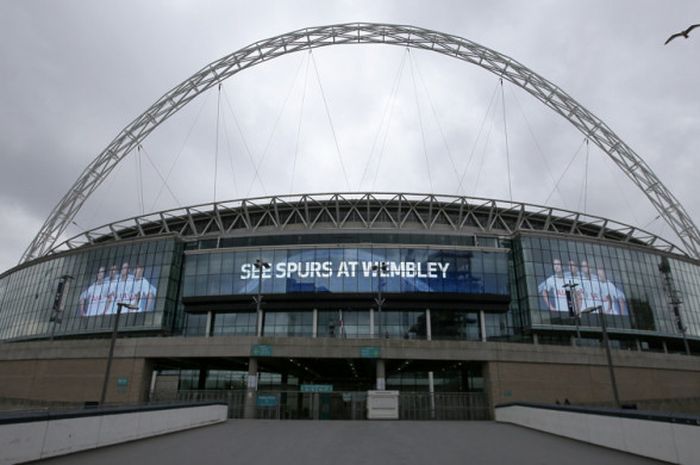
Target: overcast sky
74, 73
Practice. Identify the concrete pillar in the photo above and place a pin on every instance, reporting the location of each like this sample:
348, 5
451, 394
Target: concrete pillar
381, 375
482, 325
251, 389
207, 327
639, 345
152, 387
371, 322
431, 390
428, 326
663, 343
259, 323
534, 339
202, 379
314, 330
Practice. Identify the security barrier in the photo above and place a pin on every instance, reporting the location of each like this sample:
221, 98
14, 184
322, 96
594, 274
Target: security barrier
349, 405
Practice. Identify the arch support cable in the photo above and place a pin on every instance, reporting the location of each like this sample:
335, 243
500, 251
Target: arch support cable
366, 33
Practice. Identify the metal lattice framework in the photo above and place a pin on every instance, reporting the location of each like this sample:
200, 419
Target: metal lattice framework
366, 33
387, 212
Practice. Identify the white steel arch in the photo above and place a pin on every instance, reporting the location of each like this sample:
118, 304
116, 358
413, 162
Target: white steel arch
366, 33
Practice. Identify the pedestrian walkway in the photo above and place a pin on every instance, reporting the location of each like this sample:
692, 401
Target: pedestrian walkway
271, 442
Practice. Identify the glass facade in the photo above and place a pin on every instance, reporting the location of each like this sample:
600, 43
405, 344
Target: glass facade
79, 292
635, 290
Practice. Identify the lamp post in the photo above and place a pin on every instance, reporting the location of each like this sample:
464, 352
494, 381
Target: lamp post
59, 303
120, 305
573, 307
606, 344
260, 265
379, 268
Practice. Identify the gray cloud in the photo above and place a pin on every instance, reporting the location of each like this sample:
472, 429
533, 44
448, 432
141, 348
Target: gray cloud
74, 73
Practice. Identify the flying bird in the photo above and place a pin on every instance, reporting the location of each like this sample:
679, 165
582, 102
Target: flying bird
682, 33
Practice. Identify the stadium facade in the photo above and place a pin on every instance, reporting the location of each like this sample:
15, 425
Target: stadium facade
296, 306
409, 292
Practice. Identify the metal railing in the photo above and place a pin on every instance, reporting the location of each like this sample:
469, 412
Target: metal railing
292, 405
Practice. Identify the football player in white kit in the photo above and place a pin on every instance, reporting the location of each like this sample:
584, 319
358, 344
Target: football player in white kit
119, 288
94, 299
553, 291
144, 293
616, 303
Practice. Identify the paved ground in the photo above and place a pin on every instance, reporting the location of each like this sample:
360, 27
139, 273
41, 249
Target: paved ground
263, 442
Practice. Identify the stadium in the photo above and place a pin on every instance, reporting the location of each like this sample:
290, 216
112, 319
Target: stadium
295, 306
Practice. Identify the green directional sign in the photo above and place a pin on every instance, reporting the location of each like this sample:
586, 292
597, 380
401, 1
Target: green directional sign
369, 352
316, 388
261, 350
266, 400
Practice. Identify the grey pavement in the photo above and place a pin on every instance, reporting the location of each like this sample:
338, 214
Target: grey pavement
274, 442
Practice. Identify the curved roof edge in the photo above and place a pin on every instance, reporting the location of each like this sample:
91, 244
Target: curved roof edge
365, 210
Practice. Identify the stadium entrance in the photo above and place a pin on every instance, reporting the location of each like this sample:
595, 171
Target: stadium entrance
313, 388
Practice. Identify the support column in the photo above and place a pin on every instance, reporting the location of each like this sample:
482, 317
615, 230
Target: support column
431, 390
428, 326
259, 323
152, 387
207, 327
251, 389
534, 339
371, 322
482, 325
314, 330
663, 344
381, 375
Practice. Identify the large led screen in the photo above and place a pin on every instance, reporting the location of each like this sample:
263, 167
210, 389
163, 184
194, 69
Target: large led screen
347, 270
587, 287
125, 283
78, 292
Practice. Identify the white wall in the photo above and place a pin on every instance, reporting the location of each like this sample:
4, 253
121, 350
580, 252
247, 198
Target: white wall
20, 442
675, 443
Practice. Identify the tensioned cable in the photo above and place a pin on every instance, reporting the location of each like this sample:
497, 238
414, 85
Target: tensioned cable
483, 153
330, 121
585, 180
388, 107
275, 124
182, 149
301, 118
565, 170
505, 135
227, 140
216, 144
539, 150
437, 120
388, 125
256, 173
148, 157
109, 185
139, 180
476, 141
621, 192
420, 123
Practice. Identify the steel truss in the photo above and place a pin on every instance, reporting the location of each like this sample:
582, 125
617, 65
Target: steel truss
441, 214
366, 33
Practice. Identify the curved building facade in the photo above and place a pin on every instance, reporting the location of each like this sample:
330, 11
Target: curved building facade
344, 293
